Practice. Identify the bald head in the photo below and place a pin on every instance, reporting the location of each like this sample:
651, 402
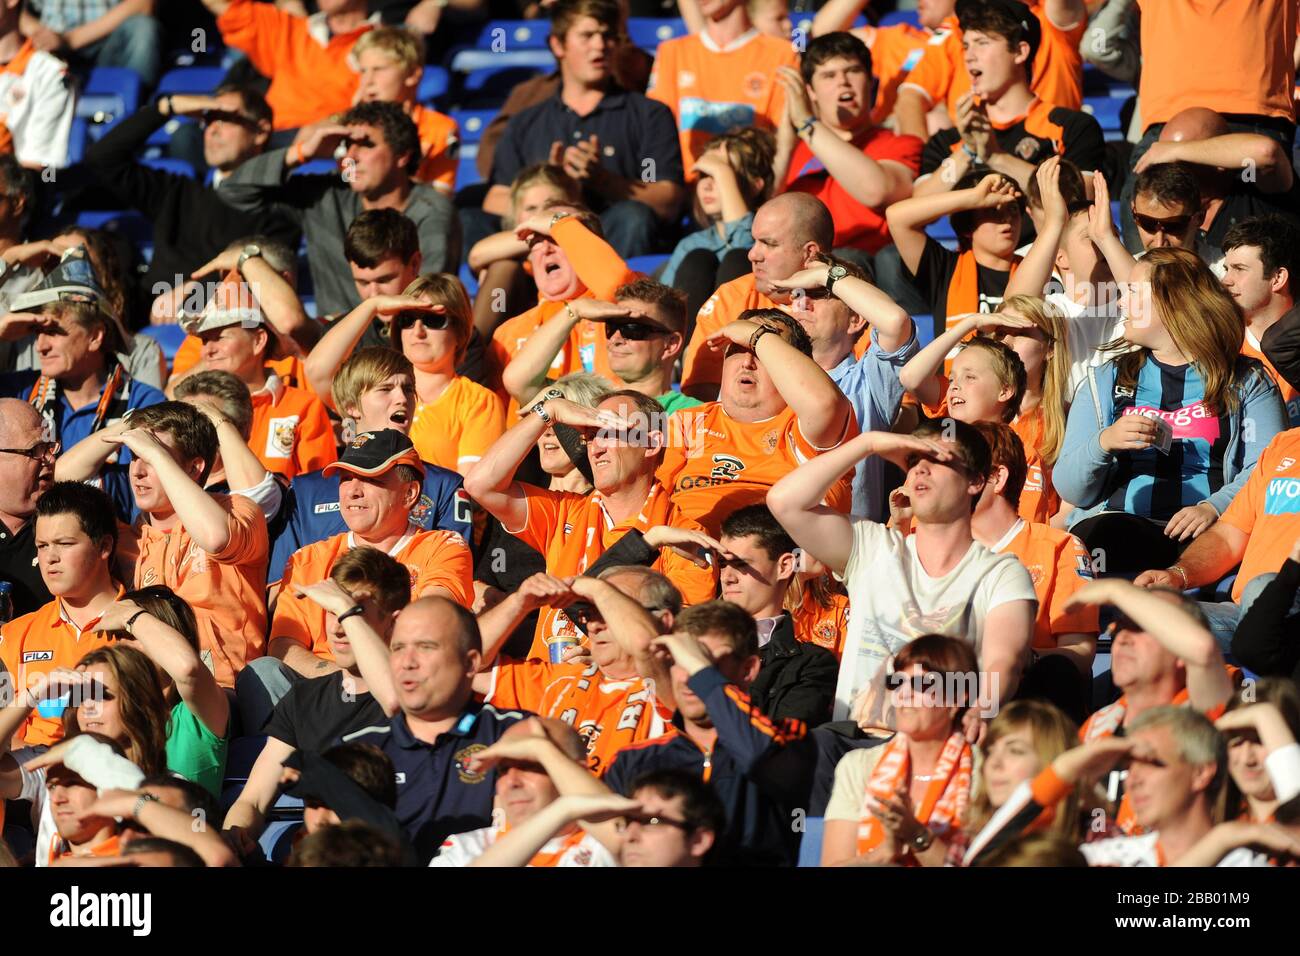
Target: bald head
17, 418
807, 218
1194, 123
441, 617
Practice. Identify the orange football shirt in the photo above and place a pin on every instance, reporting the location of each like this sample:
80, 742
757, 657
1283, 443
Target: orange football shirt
702, 365
1059, 565
457, 427
608, 714
439, 144
823, 626
715, 464
292, 433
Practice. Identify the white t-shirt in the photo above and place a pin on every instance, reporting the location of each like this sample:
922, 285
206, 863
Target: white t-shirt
36, 103
461, 849
1090, 328
895, 601
1141, 851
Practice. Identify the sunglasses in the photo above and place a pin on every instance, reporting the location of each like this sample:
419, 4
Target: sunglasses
209, 117
433, 321
633, 331
39, 451
920, 683
1175, 225
580, 614
1122, 622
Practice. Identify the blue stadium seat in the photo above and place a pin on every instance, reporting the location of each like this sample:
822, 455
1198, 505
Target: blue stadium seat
180, 167
77, 140
810, 847
489, 86
468, 280
1106, 111
308, 305
170, 338
472, 123
191, 79
649, 32
316, 166
435, 83
466, 61
160, 137
941, 230
276, 840
646, 264
466, 171
110, 94
128, 222
503, 36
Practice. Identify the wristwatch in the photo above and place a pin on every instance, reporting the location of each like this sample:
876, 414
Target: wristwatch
558, 216
834, 275
130, 621
539, 409
922, 841
248, 252
353, 611
759, 332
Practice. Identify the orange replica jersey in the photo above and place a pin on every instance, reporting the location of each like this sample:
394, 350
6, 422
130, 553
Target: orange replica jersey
609, 714
1059, 565
457, 427
38, 643
702, 365
823, 626
1251, 347
1057, 74
713, 89
292, 433
715, 464
440, 147
433, 558
1039, 500
895, 50
573, 531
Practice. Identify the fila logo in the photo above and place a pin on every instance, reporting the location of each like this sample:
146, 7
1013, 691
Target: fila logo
399, 778
1285, 463
726, 466
30, 657
325, 508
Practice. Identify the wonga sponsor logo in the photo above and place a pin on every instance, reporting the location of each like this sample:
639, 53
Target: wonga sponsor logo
1282, 497
1191, 422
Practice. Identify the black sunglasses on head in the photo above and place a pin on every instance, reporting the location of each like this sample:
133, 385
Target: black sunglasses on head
633, 331
1174, 225
433, 321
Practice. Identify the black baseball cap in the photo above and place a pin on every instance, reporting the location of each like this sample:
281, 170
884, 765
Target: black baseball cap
1012, 9
376, 453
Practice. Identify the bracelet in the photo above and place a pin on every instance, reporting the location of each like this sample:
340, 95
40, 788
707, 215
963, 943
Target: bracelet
130, 621
970, 153
573, 316
1183, 574
140, 801
350, 612
805, 126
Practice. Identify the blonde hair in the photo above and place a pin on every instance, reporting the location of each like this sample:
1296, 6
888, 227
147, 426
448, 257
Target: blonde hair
399, 43
543, 174
1055, 401
1053, 733
443, 289
584, 388
364, 371
1007, 367
1203, 320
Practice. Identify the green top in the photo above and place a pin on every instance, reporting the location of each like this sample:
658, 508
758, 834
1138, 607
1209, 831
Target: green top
676, 401
195, 752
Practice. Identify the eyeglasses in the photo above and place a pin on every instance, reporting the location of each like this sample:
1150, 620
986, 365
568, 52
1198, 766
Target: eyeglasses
1174, 225
580, 614
433, 321
920, 683
209, 117
1122, 622
633, 331
42, 449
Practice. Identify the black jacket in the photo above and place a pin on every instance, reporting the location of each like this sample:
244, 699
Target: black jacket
191, 224
797, 679
1281, 346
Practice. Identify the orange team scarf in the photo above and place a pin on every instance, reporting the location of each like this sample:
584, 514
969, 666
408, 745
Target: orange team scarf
964, 286
543, 859
944, 805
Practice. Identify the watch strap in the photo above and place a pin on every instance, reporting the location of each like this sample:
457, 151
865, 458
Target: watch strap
130, 621
353, 611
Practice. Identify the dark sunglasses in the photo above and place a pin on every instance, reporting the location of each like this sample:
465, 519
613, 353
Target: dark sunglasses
42, 449
920, 683
633, 331
1122, 622
433, 321
209, 117
1175, 225
581, 613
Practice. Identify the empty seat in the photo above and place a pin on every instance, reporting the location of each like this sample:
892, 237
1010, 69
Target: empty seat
197, 80
433, 84
1106, 111
646, 264
472, 123
110, 93
489, 86
810, 847
649, 32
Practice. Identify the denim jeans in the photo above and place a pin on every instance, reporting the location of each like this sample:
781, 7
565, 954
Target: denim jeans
259, 687
135, 45
1224, 616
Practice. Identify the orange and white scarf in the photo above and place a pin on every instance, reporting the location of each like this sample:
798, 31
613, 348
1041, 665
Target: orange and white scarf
947, 796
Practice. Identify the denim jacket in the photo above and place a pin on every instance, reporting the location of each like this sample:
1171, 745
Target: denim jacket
1084, 473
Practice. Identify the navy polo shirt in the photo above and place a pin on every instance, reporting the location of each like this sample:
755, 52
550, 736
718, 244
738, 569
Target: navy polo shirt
436, 793
629, 127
